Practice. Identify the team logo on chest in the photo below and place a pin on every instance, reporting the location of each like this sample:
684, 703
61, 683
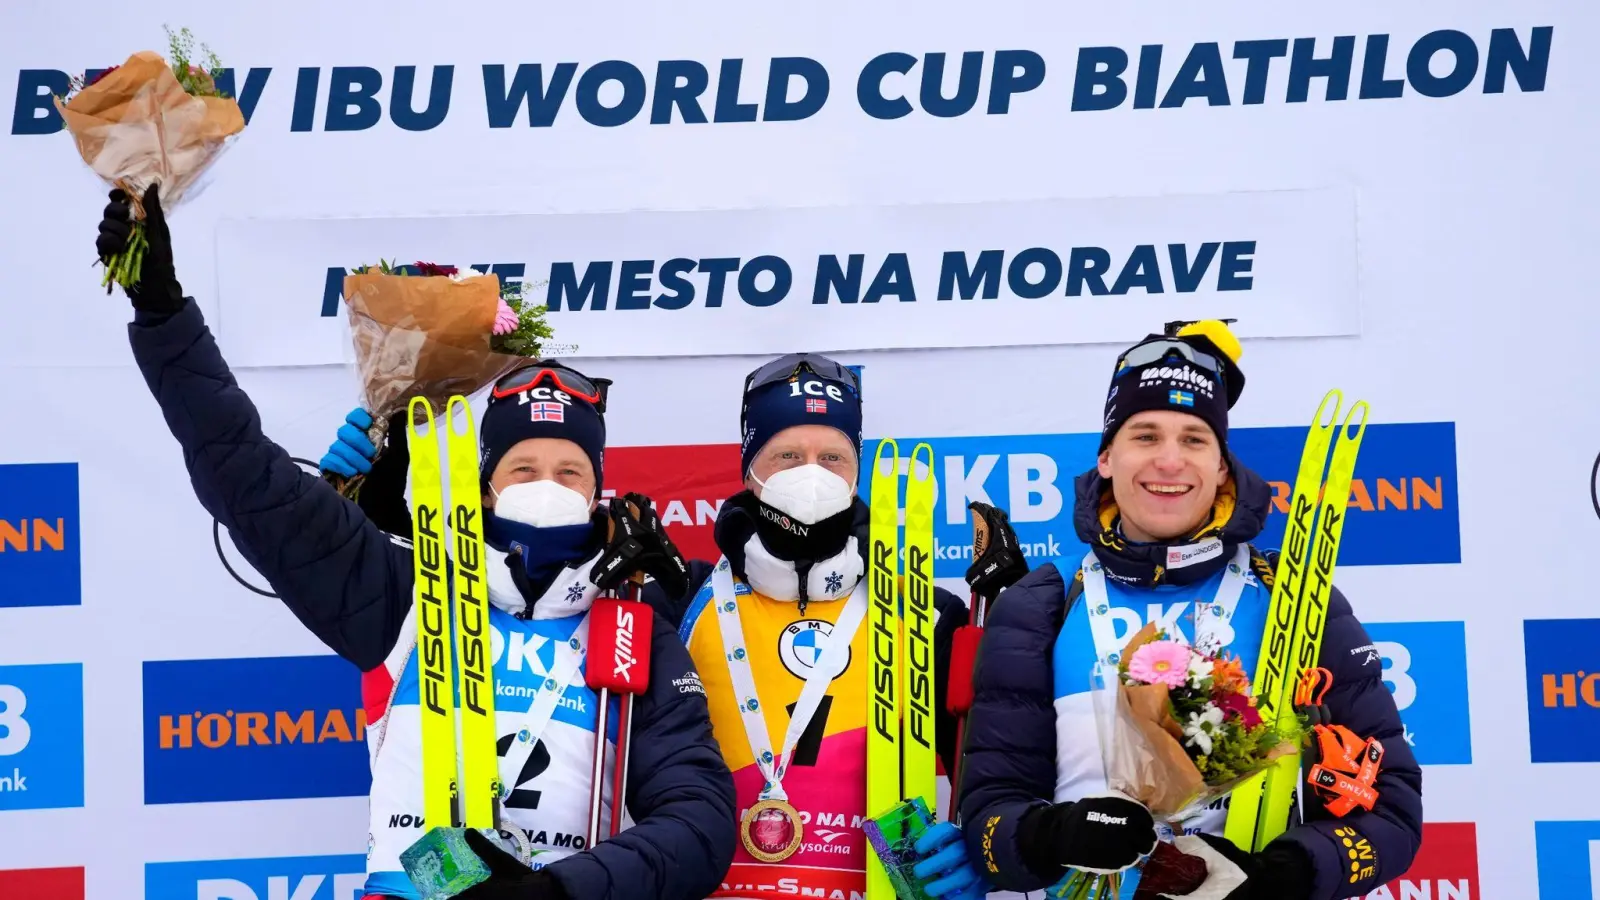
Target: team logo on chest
801, 645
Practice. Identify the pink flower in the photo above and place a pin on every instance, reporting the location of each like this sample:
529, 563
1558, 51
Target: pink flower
505, 319
1160, 662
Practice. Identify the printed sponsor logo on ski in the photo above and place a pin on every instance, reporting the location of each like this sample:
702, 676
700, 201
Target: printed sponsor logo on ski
1563, 678
1425, 668
282, 878
39, 551
253, 729
64, 883
41, 736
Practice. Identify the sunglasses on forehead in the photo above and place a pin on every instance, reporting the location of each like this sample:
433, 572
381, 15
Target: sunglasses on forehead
787, 367
559, 377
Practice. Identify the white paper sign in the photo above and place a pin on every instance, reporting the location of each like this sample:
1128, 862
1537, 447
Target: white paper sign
830, 279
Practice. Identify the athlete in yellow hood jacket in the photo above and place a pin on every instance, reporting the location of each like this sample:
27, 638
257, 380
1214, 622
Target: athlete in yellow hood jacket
772, 617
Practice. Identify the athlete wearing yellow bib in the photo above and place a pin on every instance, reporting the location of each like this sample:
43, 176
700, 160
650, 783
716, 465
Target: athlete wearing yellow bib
779, 636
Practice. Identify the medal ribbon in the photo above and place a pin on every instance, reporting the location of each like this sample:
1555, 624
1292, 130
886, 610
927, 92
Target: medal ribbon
1213, 628
565, 673
827, 668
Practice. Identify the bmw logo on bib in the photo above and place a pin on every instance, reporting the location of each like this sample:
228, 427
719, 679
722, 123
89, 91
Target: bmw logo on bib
801, 645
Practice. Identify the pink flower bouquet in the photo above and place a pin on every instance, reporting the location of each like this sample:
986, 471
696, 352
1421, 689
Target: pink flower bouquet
1178, 729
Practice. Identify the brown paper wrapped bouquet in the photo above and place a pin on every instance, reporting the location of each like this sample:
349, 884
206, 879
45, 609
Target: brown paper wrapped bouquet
151, 121
433, 331
1178, 729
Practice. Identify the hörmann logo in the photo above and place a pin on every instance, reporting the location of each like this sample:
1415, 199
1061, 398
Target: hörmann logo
39, 555
253, 729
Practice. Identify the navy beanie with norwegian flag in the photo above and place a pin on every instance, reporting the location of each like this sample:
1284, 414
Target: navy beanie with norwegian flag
807, 400
514, 418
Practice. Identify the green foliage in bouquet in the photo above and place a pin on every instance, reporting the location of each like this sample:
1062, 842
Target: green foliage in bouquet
198, 79
532, 331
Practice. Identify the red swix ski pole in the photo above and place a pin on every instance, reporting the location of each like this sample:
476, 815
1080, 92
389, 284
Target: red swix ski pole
963, 659
618, 661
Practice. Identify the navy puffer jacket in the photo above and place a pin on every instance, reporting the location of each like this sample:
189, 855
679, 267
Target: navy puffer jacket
1010, 748
351, 585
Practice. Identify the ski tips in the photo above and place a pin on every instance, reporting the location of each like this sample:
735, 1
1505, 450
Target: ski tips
894, 457
1361, 428
411, 419
466, 415
911, 471
1336, 397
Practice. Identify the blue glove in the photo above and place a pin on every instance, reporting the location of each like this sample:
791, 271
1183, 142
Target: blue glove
352, 453
945, 871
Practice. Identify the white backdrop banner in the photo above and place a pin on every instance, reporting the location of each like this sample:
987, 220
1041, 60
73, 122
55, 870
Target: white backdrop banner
829, 279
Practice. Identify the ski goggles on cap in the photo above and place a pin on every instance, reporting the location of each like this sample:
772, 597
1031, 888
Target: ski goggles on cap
785, 368
1159, 351
558, 376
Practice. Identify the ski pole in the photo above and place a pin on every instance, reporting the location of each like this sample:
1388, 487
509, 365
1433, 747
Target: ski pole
633, 659
618, 663
963, 661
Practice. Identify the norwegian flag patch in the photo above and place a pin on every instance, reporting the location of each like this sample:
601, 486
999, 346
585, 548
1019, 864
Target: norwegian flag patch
547, 412
816, 405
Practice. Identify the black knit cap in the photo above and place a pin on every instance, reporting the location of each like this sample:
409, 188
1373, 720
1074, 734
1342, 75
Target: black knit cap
1192, 368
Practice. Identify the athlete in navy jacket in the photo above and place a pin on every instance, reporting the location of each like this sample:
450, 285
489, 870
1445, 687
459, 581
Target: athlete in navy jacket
1168, 514
350, 583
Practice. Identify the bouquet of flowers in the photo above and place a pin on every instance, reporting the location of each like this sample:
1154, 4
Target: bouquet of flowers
434, 331
151, 121
1178, 729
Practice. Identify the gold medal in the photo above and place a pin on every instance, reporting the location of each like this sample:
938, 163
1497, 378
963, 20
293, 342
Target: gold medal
771, 830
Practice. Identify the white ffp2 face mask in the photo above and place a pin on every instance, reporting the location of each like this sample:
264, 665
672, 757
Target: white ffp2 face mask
542, 504
809, 493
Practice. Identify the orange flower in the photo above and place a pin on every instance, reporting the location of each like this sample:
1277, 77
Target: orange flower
1228, 675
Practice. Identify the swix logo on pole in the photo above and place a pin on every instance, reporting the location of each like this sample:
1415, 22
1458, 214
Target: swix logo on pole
624, 653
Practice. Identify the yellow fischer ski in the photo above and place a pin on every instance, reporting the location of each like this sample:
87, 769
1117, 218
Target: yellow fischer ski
439, 795
1302, 584
480, 764
883, 723
917, 754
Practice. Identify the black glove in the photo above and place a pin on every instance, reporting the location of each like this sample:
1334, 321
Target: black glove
509, 879
1280, 872
157, 290
382, 493
639, 544
1096, 834
1001, 564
